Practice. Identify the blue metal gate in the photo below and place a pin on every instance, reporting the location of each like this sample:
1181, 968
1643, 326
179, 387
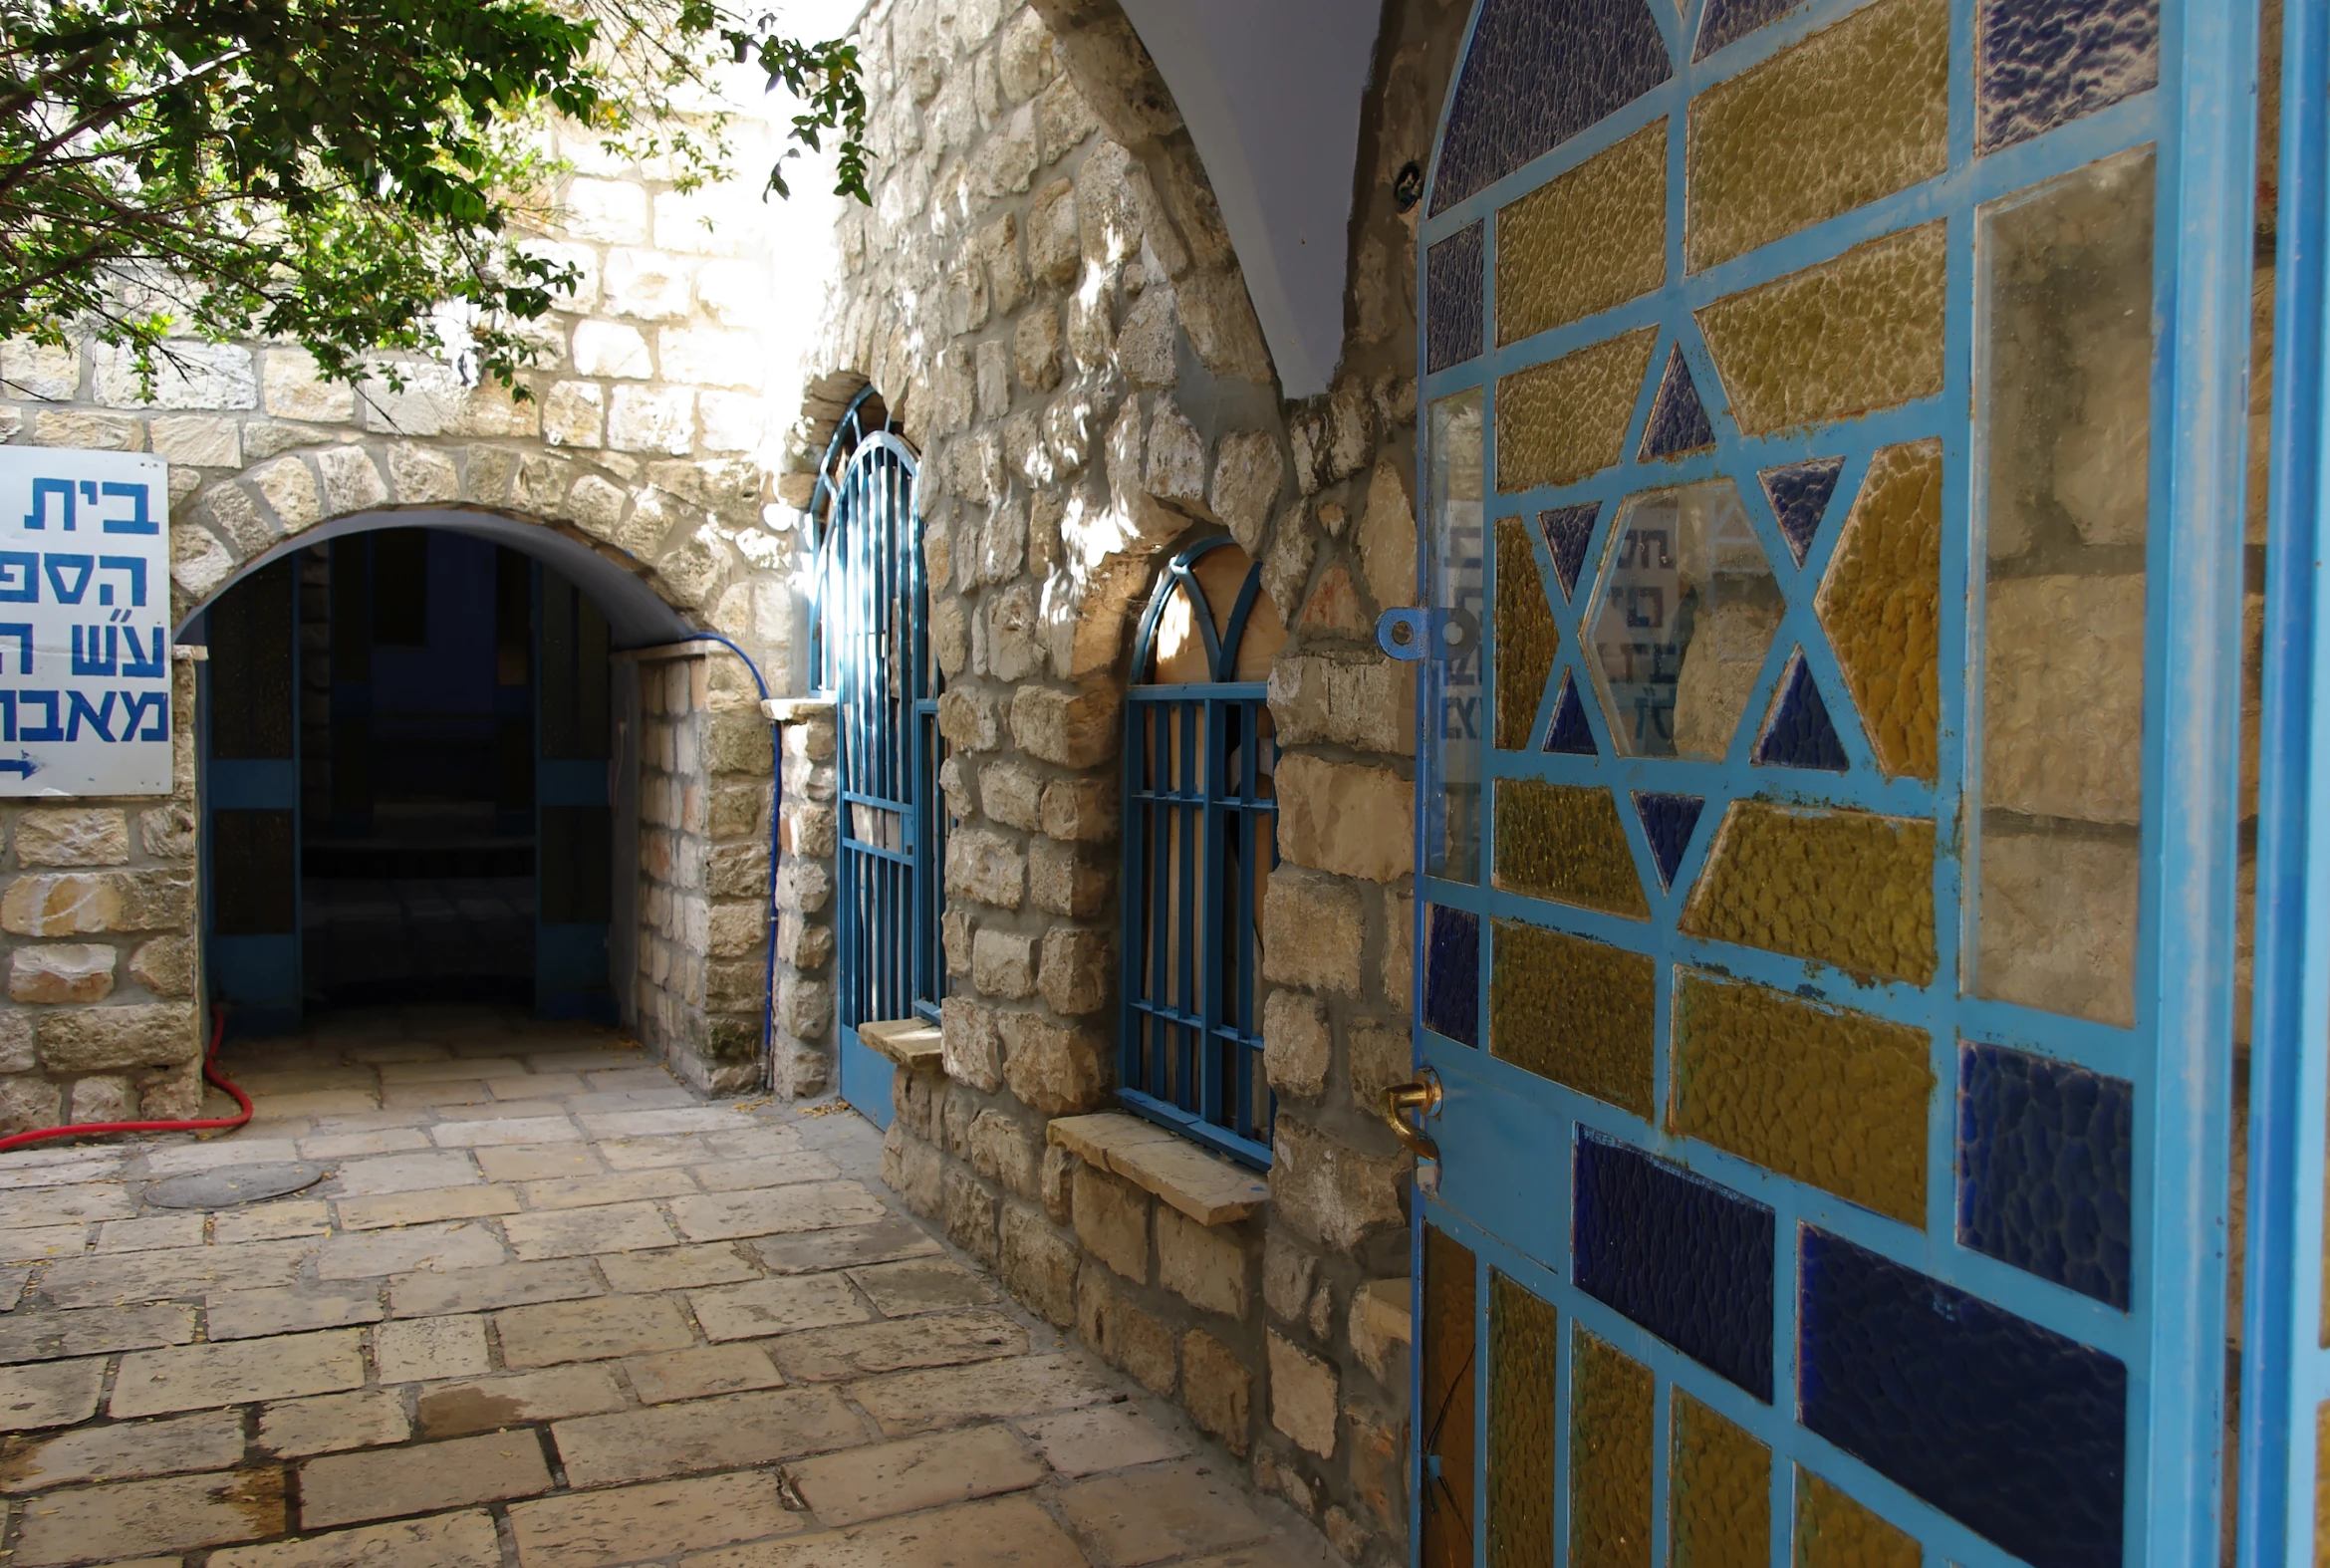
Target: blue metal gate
1828, 807
872, 650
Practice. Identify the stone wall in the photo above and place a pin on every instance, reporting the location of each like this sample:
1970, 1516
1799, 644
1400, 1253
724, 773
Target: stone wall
705, 760
98, 907
1044, 292
646, 439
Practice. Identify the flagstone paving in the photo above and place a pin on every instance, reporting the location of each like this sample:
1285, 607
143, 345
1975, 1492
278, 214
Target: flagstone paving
549, 1310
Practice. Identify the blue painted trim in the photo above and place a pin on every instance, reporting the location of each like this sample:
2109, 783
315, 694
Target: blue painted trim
2286, 1373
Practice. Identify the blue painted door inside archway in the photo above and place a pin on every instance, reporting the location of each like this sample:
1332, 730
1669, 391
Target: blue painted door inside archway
1830, 558
874, 647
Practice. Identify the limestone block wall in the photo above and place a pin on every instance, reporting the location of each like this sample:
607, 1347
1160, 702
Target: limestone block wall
98, 916
1045, 295
805, 1036
705, 757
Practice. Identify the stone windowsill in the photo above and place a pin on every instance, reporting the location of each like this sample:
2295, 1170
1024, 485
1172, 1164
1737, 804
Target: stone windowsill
1207, 1188
910, 1042
797, 710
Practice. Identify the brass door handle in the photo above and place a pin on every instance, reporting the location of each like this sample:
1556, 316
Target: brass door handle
1423, 1096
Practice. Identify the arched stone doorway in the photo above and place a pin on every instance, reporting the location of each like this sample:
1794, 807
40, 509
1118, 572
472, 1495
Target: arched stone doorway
449, 754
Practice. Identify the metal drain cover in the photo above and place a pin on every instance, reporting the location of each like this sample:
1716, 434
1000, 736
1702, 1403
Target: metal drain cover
232, 1184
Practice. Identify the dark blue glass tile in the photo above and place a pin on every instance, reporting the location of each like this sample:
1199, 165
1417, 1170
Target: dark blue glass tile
1667, 821
2045, 63
1679, 420
1800, 735
2043, 1179
1687, 1259
2009, 1426
1570, 732
1567, 530
1453, 297
1451, 973
1799, 494
1729, 21
1536, 75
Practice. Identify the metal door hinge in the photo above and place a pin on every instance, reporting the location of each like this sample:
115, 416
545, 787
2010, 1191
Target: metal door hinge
1412, 634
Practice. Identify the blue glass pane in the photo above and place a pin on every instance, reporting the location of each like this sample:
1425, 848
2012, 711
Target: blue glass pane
1799, 494
1567, 530
2043, 1183
1667, 821
1453, 297
1537, 75
2045, 63
1679, 420
1570, 733
1687, 1259
1800, 735
2013, 1428
1451, 973
1729, 21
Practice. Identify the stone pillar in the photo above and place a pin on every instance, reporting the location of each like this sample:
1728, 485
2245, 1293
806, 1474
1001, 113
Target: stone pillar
97, 901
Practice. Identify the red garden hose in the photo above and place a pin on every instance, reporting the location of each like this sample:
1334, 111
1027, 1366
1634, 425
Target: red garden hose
209, 1070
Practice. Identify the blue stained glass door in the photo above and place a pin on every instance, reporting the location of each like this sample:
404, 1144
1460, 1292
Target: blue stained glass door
875, 650
1828, 798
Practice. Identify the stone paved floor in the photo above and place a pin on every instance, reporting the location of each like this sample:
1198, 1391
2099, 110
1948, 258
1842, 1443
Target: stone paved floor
550, 1311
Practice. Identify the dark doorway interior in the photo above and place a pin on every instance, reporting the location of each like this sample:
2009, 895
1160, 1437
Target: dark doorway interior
418, 844
419, 722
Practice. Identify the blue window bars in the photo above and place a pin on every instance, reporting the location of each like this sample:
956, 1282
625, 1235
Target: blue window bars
1200, 838
870, 649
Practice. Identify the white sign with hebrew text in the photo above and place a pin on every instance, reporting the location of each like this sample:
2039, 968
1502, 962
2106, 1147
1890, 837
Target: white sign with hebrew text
84, 642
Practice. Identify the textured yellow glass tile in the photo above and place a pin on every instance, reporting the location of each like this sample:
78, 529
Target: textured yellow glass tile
1566, 418
1526, 637
1449, 1299
1834, 1531
2322, 1485
1585, 240
1565, 842
1859, 333
1835, 1099
1582, 1013
1882, 604
1847, 888
1610, 1457
1854, 112
1719, 1492
1524, 1350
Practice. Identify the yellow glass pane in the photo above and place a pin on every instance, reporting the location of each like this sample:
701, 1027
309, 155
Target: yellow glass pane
1719, 1492
1882, 604
1524, 1347
1526, 637
1847, 888
1858, 332
1834, 1531
1449, 1299
1565, 842
1834, 1099
1566, 418
1585, 240
1854, 112
1582, 1013
2322, 1485
1610, 1457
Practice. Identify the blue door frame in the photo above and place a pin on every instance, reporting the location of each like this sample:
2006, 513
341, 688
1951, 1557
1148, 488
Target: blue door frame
2286, 1370
1502, 1196
872, 650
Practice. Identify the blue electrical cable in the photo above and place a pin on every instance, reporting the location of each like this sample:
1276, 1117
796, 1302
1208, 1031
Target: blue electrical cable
768, 1005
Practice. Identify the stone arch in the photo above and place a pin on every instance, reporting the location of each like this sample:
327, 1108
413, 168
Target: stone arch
685, 532
638, 616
